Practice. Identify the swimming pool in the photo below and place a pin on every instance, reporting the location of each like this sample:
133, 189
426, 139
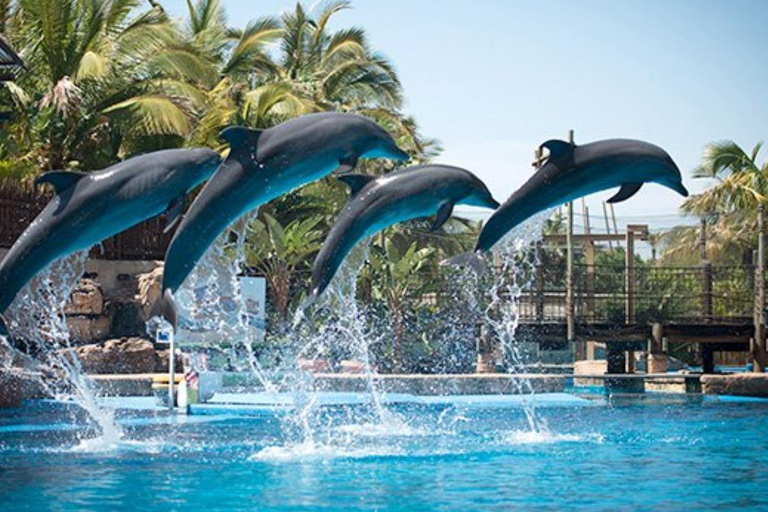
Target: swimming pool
451, 453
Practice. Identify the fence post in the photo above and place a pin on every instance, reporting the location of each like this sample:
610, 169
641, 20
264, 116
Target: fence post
706, 290
706, 274
758, 348
629, 277
539, 284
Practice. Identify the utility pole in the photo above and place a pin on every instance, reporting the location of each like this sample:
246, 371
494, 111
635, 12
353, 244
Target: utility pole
537, 161
706, 273
607, 225
615, 226
569, 295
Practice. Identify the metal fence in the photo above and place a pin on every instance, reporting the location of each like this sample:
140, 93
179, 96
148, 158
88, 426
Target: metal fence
604, 294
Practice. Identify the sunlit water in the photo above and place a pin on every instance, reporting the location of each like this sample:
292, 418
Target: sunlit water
454, 454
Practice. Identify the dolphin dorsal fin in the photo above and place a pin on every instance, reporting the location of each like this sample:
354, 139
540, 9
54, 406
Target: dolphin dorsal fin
60, 180
356, 182
238, 136
558, 148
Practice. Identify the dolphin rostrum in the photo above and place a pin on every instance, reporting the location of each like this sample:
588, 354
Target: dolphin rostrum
401, 195
89, 207
572, 171
263, 165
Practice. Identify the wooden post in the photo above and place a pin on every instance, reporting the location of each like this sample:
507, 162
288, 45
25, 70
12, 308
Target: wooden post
629, 277
589, 257
656, 361
570, 306
758, 348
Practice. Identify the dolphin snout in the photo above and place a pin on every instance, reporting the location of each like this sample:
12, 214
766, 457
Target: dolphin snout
680, 189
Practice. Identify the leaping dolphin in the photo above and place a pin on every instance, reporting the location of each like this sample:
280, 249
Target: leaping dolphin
263, 165
377, 203
571, 172
89, 207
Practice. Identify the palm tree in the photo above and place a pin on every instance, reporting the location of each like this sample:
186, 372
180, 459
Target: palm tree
105, 80
280, 253
397, 281
730, 206
238, 92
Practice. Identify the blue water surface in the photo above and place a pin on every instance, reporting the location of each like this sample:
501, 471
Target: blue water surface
653, 454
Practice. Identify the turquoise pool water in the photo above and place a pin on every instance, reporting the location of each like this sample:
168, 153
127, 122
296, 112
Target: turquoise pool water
445, 454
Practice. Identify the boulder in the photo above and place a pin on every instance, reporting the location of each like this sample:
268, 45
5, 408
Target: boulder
127, 317
149, 289
124, 355
86, 299
88, 329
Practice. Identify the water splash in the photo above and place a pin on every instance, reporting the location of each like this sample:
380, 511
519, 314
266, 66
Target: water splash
211, 303
514, 273
339, 329
38, 315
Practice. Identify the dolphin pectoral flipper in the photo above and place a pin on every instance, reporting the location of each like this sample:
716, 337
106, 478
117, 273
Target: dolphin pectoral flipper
356, 182
472, 260
445, 211
174, 212
347, 164
60, 180
626, 191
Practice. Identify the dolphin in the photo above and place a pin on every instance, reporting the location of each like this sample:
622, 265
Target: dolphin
263, 165
377, 203
572, 171
89, 207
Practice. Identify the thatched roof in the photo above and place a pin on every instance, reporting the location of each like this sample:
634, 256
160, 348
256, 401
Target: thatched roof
10, 63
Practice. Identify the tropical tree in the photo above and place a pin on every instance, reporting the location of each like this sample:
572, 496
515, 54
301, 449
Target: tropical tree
105, 80
397, 282
730, 207
281, 253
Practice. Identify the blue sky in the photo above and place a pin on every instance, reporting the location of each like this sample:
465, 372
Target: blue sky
492, 79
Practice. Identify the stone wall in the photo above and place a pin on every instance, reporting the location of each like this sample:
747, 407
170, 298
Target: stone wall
125, 355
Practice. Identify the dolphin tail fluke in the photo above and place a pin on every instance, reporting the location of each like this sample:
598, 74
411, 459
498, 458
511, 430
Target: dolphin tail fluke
301, 313
168, 309
472, 260
165, 307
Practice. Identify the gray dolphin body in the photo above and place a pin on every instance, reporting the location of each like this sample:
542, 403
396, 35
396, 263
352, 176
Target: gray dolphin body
402, 195
89, 207
264, 165
574, 171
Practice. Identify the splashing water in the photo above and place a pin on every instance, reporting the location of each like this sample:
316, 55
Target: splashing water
344, 332
212, 300
512, 276
38, 315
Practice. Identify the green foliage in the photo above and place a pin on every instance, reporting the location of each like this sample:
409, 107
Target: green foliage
729, 207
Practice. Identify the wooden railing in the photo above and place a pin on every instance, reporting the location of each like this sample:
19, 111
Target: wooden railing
21, 202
